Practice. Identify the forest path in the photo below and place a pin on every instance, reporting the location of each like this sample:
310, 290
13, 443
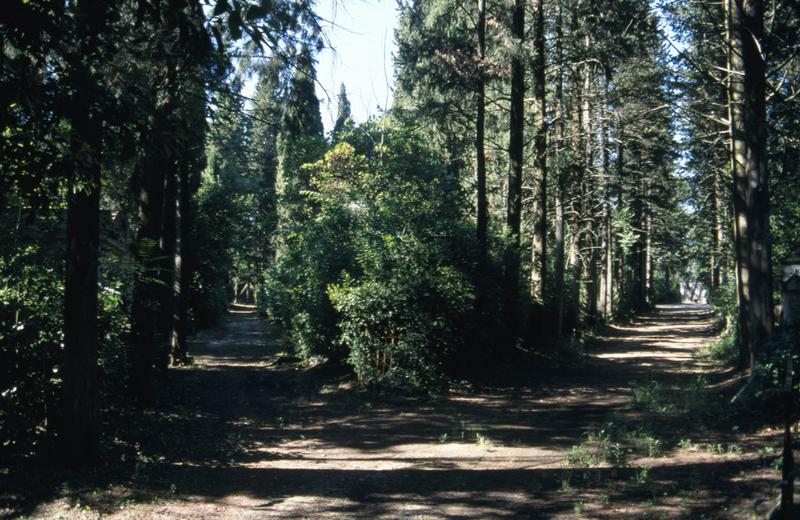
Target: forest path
246, 432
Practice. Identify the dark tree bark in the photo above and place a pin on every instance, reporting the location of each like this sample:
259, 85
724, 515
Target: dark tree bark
515, 158
561, 180
747, 100
167, 307
183, 267
78, 431
539, 246
146, 290
480, 152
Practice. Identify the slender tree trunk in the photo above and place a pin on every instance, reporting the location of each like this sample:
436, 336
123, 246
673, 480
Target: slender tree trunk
480, 162
146, 290
622, 287
539, 246
607, 241
638, 253
515, 158
589, 288
167, 307
716, 255
78, 428
648, 254
559, 198
183, 267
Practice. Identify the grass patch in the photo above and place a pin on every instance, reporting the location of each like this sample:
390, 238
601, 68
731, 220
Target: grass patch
693, 401
613, 444
723, 349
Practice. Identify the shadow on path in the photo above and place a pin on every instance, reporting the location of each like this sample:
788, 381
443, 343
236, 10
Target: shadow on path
246, 432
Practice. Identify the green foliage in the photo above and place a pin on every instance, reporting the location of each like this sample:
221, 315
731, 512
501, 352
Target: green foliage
724, 348
344, 120
31, 329
665, 291
31, 341
215, 220
694, 399
723, 299
372, 276
769, 391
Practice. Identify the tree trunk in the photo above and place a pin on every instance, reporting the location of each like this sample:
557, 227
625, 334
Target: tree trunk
146, 290
166, 311
606, 293
747, 100
183, 266
561, 182
716, 255
587, 244
480, 162
539, 246
78, 428
515, 158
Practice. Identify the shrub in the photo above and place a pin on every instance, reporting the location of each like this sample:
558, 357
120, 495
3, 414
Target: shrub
375, 274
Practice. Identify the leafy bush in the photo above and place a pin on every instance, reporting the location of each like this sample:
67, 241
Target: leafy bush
376, 275
31, 342
216, 219
31, 330
782, 352
724, 348
401, 330
664, 292
723, 299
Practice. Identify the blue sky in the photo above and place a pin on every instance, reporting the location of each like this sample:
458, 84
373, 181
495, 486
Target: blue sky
361, 36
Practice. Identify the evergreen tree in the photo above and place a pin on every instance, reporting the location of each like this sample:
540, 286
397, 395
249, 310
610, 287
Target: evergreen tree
300, 141
344, 119
266, 121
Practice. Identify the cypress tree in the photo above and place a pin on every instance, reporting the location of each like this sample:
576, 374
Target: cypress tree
343, 115
300, 141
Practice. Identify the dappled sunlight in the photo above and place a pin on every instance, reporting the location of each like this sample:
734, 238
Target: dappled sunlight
246, 430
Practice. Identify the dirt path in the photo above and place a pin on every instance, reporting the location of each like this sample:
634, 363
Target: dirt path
246, 433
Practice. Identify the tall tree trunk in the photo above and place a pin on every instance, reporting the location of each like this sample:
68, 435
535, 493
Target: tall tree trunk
639, 260
751, 192
587, 245
716, 253
166, 310
480, 160
146, 290
647, 288
735, 98
78, 428
606, 294
183, 266
539, 246
620, 268
515, 158
561, 181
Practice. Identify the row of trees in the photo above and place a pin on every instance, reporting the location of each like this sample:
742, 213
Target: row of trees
577, 194
103, 118
526, 186
739, 80
544, 216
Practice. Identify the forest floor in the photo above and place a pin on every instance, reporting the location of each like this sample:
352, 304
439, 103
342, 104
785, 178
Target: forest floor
630, 429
